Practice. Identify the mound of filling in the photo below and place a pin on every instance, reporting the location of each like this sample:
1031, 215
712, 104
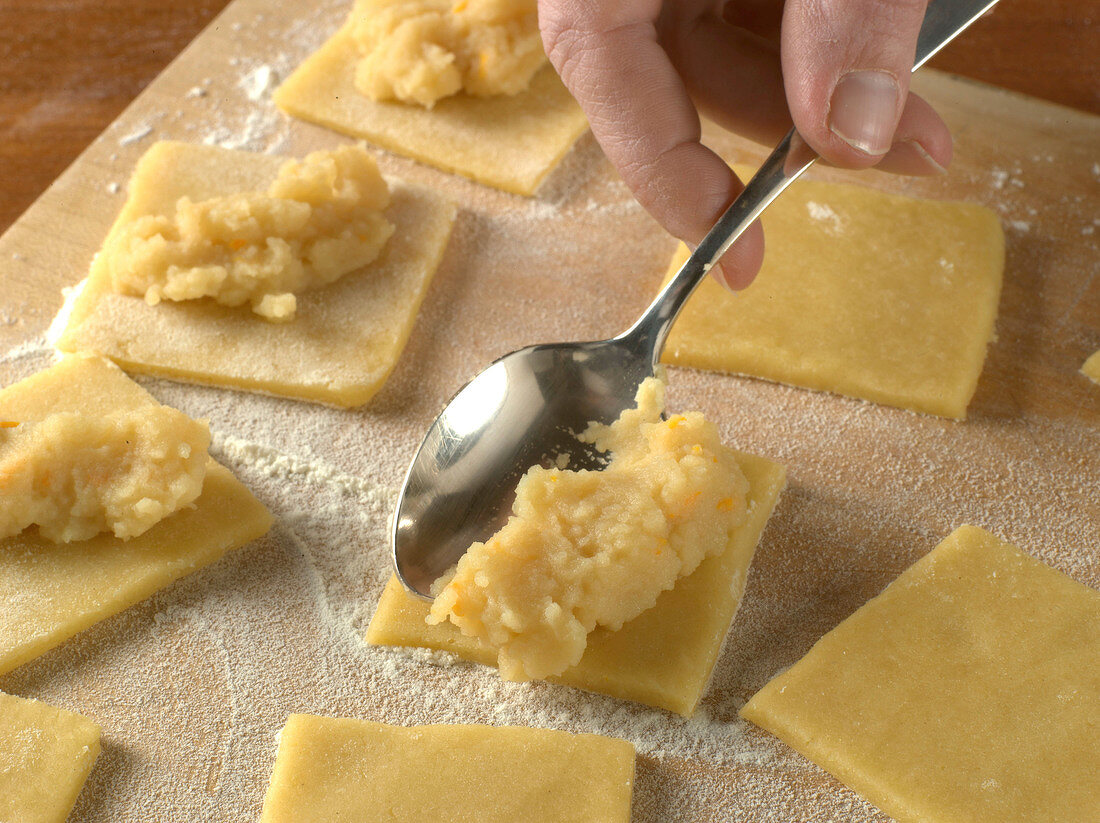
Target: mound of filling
75, 475
420, 51
320, 219
596, 548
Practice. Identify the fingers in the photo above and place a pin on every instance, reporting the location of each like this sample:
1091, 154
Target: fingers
922, 142
847, 65
733, 75
744, 91
641, 114
846, 62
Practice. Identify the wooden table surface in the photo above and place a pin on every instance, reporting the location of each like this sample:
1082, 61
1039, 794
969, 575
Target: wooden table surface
192, 685
68, 67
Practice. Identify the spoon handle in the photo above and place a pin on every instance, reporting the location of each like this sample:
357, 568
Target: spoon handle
943, 21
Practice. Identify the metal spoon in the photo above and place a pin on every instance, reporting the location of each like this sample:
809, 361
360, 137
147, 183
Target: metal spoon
528, 406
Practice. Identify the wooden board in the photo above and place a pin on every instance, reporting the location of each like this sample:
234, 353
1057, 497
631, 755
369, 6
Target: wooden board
191, 687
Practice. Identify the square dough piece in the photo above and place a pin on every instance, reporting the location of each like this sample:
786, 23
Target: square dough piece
45, 757
968, 690
355, 771
1091, 369
347, 336
862, 293
510, 142
51, 591
664, 656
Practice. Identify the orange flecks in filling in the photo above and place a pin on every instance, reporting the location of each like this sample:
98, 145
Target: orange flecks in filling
725, 504
686, 507
460, 6
15, 467
237, 244
8, 424
44, 482
675, 421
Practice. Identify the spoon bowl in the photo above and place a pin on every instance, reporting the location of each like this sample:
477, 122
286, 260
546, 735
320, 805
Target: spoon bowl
525, 409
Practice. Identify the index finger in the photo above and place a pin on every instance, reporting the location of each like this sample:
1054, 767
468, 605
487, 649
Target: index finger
608, 56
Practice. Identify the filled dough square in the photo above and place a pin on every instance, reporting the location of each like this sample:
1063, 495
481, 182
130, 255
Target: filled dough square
663, 657
330, 769
51, 591
510, 142
862, 293
45, 757
347, 336
968, 690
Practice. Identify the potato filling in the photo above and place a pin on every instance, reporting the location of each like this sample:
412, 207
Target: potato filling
420, 51
596, 548
75, 475
320, 219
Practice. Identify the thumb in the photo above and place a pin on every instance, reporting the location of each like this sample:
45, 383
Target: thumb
846, 67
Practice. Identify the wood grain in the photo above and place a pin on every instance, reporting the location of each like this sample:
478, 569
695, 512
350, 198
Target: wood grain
68, 68
1046, 48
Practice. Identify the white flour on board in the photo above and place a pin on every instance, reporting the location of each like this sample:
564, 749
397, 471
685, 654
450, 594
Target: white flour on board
192, 685
258, 82
138, 134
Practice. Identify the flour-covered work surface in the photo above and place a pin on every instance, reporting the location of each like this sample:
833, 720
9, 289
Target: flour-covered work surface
191, 686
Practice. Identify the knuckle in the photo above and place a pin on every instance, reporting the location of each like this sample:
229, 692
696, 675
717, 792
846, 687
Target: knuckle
679, 190
648, 178
569, 30
564, 47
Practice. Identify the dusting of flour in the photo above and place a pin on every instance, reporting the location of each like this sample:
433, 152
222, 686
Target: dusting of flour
192, 685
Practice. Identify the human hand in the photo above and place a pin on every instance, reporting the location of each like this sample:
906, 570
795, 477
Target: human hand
839, 69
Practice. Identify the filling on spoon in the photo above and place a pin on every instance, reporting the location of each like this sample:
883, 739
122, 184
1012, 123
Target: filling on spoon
584, 548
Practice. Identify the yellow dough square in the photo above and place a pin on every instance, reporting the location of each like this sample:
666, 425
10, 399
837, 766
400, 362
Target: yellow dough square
347, 336
355, 771
45, 756
1091, 369
663, 657
862, 293
968, 690
51, 591
510, 142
